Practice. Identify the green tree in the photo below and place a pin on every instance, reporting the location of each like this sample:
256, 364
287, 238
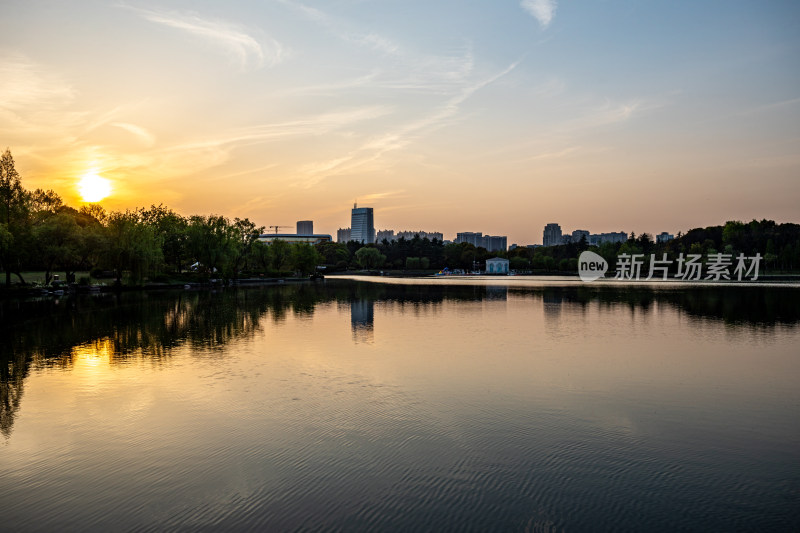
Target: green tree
369, 257
279, 254
333, 253
171, 228
15, 215
305, 258
246, 235
132, 245
58, 243
518, 263
212, 242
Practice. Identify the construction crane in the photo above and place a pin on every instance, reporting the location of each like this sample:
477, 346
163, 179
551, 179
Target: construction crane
276, 228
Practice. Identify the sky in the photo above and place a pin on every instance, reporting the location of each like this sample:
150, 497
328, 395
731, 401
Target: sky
443, 115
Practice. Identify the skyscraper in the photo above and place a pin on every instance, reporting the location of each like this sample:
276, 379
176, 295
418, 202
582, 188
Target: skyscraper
552, 235
362, 225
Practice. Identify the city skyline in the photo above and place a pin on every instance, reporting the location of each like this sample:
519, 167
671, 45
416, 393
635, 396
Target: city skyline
493, 117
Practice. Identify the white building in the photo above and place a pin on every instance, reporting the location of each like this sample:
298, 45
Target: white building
343, 235
497, 265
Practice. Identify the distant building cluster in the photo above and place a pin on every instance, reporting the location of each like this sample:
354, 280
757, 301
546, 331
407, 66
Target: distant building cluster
362, 229
553, 236
362, 226
305, 234
492, 243
664, 237
389, 235
596, 239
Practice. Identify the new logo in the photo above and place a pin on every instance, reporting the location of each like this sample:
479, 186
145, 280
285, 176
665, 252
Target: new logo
591, 266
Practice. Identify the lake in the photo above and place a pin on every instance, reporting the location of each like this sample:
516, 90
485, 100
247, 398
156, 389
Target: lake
404, 405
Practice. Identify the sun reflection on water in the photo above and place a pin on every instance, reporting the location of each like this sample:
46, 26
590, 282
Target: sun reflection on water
93, 360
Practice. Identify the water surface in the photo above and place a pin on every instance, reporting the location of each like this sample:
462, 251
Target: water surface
408, 406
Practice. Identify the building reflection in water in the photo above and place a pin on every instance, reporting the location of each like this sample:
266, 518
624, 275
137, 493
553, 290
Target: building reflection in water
552, 303
362, 319
103, 330
497, 292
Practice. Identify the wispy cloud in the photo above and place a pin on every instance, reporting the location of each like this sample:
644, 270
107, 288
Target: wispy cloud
401, 67
382, 195
541, 10
246, 50
339, 28
374, 148
142, 134
311, 125
24, 83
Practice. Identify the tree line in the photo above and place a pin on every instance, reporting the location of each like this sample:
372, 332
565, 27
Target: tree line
778, 245
38, 232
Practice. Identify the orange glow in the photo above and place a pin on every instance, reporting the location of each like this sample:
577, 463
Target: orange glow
93, 188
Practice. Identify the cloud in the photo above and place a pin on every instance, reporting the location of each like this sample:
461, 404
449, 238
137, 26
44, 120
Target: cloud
242, 46
25, 84
382, 195
541, 10
374, 148
145, 136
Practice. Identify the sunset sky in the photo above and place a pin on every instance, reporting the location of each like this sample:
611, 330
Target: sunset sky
492, 116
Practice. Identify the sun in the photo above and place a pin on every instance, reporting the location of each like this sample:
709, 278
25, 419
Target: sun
93, 188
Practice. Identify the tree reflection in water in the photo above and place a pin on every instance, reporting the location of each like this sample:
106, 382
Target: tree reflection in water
49, 332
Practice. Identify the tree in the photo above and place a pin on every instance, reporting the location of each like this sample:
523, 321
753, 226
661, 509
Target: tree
171, 228
305, 258
369, 257
246, 235
279, 255
412, 263
212, 242
132, 245
57, 243
14, 213
333, 253
94, 211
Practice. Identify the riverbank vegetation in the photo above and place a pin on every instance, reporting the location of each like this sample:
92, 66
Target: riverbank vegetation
778, 245
39, 233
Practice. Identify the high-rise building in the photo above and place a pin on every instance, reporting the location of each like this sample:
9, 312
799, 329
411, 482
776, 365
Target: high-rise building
305, 227
362, 225
473, 238
552, 235
343, 235
492, 243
